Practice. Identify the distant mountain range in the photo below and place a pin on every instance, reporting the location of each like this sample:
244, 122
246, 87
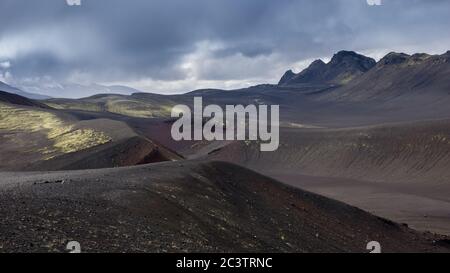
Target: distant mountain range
75, 90
351, 89
399, 75
358, 77
343, 67
392, 89
348, 76
7, 88
67, 90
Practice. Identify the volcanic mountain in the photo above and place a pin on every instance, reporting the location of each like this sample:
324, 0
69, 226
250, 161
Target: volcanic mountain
351, 89
343, 67
399, 75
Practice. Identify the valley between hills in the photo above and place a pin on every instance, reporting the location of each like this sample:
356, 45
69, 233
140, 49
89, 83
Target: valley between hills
364, 156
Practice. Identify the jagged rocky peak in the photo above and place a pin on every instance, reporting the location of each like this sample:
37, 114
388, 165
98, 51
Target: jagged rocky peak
343, 67
446, 55
317, 64
394, 58
418, 58
288, 75
353, 59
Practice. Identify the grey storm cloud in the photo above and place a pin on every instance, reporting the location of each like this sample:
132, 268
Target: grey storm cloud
239, 41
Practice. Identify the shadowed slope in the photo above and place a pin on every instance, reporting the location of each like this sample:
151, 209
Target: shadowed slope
185, 207
10, 98
398, 171
408, 152
129, 151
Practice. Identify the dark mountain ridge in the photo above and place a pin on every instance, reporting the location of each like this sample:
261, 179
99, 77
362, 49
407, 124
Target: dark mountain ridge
425, 77
390, 90
343, 67
19, 100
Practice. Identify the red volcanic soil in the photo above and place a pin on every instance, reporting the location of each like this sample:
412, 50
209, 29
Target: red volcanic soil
398, 171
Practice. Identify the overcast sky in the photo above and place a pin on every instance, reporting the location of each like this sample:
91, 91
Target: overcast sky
173, 46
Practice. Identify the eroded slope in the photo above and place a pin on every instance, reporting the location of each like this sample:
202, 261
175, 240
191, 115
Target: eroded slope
185, 207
